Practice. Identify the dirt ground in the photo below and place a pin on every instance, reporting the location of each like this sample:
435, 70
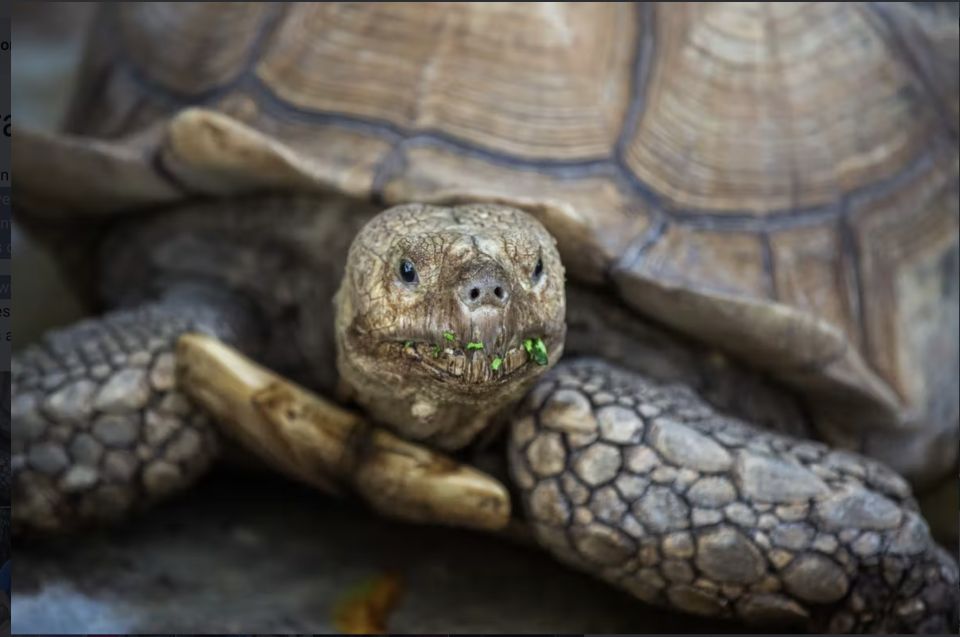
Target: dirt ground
256, 554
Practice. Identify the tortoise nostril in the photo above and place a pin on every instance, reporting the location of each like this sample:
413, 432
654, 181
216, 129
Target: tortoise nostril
484, 293
484, 285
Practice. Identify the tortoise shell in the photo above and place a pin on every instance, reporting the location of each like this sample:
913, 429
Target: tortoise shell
779, 181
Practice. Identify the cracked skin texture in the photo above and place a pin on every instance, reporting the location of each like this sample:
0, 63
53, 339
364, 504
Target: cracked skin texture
628, 474
403, 346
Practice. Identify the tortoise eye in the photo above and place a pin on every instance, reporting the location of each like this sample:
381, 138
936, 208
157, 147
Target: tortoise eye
408, 273
538, 270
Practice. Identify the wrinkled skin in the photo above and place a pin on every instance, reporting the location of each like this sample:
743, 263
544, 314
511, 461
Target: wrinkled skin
480, 274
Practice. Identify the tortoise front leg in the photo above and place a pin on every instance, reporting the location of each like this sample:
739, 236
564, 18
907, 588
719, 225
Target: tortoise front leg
99, 426
649, 488
330, 448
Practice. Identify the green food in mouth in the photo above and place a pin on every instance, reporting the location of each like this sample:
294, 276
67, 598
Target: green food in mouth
537, 350
535, 347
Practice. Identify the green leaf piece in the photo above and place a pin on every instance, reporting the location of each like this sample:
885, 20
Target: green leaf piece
474, 345
449, 336
538, 351
407, 344
528, 345
496, 363
436, 351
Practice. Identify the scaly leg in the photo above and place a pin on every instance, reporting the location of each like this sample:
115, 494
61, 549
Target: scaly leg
332, 449
648, 487
99, 426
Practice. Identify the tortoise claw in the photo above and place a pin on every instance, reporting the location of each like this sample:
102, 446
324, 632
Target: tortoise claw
333, 449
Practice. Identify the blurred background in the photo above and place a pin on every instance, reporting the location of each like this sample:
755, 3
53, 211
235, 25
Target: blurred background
256, 553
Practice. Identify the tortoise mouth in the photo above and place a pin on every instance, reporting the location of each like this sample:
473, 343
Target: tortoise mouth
472, 366
469, 366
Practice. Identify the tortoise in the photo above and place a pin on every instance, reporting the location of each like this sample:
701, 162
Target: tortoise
691, 268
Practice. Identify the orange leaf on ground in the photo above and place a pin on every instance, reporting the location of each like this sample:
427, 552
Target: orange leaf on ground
365, 609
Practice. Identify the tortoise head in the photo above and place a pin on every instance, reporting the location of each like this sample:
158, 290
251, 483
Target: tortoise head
447, 314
